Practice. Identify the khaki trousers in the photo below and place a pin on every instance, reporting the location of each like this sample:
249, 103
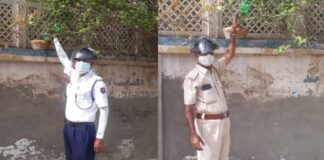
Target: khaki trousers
216, 136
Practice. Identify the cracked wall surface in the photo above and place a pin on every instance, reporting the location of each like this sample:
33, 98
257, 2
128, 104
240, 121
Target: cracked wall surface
264, 77
48, 78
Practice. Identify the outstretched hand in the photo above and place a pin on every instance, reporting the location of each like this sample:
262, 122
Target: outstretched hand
54, 36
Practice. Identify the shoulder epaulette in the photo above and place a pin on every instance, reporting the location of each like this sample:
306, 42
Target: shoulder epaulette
193, 74
98, 78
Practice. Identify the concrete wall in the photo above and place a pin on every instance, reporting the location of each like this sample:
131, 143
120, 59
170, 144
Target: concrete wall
32, 102
276, 103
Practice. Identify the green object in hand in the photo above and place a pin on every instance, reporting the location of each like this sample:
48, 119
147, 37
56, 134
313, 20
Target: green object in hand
245, 8
57, 27
45, 37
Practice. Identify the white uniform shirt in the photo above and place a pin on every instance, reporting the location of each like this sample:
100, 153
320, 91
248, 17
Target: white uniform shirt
80, 105
203, 89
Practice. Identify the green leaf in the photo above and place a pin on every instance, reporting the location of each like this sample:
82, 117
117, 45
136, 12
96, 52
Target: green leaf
299, 40
45, 37
57, 27
282, 49
244, 8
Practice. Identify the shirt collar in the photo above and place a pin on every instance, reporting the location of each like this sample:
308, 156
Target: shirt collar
201, 69
87, 75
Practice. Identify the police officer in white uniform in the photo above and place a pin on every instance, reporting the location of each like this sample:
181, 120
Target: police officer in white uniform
205, 101
86, 93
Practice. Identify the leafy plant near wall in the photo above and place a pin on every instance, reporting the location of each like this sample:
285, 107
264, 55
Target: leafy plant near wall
88, 15
289, 11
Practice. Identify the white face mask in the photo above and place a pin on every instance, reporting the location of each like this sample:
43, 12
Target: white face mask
207, 60
82, 67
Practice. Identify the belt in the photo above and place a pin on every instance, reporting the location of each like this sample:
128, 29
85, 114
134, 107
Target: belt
76, 123
212, 116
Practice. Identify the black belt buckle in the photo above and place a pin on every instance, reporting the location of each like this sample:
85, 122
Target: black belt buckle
75, 124
70, 123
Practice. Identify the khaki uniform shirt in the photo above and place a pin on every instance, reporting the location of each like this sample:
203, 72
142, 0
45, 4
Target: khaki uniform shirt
203, 89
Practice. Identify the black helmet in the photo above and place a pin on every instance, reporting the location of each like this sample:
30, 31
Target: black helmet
204, 46
83, 54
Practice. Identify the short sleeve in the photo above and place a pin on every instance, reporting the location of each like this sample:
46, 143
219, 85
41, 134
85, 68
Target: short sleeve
190, 92
100, 94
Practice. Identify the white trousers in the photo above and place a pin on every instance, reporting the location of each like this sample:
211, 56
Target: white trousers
216, 136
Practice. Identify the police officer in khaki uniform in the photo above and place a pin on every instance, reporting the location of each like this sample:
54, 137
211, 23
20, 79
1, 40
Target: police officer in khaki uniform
205, 101
86, 94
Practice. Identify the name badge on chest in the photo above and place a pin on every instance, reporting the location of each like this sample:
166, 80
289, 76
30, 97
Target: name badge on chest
206, 87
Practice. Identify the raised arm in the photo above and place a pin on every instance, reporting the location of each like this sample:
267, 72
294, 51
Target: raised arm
62, 56
232, 43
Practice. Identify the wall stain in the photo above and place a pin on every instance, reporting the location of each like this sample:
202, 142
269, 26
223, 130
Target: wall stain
38, 84
295, 94
309, 79
125, 150
250, 91
26, 148
266, 78
309, 92
314, 69
260, 82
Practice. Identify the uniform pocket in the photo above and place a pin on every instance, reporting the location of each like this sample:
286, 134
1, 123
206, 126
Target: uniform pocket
206, 87
208, 93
